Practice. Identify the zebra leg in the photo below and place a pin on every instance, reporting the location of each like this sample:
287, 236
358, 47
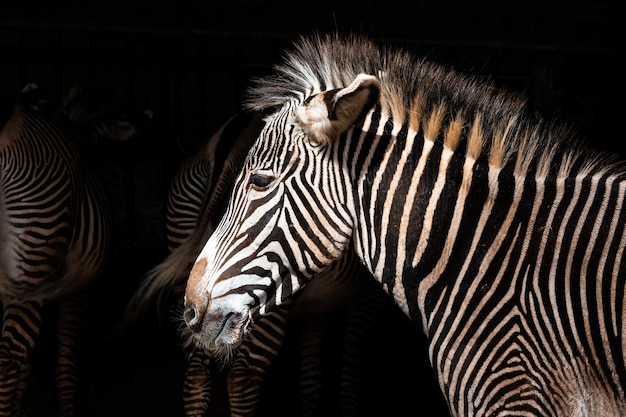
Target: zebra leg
71, 321
310, 375
197, 383
363, 321
20, 330
256, 354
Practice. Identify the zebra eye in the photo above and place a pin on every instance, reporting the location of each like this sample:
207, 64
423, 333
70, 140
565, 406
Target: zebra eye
260, 181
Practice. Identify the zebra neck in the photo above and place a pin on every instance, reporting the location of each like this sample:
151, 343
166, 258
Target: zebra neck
429, 218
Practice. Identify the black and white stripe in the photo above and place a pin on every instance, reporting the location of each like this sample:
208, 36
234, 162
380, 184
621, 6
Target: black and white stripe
499, 233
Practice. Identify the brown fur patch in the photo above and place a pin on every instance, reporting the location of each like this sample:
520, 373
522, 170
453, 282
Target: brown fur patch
433, 126
197, 272
475, 141
452, 136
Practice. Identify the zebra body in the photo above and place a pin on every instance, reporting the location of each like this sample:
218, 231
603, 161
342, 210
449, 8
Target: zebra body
196, 202
54, 234
490, 230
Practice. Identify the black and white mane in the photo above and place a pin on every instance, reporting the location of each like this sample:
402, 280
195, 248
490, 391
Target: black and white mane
495, 123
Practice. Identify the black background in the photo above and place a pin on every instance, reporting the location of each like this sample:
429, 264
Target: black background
189, 62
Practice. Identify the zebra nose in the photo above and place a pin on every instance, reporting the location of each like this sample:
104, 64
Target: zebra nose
192, 319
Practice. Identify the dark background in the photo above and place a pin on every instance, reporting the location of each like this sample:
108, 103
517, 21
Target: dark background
189, 62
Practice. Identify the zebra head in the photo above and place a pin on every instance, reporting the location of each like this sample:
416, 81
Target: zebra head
288, 217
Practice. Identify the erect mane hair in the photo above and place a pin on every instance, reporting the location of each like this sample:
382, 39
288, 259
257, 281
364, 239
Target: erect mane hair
446, 105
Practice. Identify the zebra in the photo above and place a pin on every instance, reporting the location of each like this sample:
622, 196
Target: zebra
498, 232
195, 203
54, 234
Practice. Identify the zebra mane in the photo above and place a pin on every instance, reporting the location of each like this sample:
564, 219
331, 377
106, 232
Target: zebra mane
446, 105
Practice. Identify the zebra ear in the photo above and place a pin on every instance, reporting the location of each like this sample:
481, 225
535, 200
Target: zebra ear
328, 114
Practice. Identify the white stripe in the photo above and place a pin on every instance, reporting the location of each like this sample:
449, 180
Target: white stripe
616, 275
429, 214
385, 215
594, 243
617, 265
415, 181
486, 262
365, 245
484, 216
580, 293
553, 268
450, 239
489, 327
540, 303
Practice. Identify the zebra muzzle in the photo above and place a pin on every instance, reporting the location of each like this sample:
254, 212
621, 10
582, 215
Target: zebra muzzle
216, 330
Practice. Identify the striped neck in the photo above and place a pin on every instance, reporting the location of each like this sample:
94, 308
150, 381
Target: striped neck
431, 219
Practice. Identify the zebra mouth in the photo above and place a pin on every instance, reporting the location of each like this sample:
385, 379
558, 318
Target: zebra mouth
232, 331
220, 336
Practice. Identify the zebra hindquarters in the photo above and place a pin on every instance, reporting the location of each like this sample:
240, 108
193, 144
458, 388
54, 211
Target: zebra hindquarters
21, 328
253, 359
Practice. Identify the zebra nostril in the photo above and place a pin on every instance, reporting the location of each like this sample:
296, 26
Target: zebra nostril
190, 315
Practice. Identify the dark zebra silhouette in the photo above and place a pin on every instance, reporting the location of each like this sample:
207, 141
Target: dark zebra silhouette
54, 234
500, 234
